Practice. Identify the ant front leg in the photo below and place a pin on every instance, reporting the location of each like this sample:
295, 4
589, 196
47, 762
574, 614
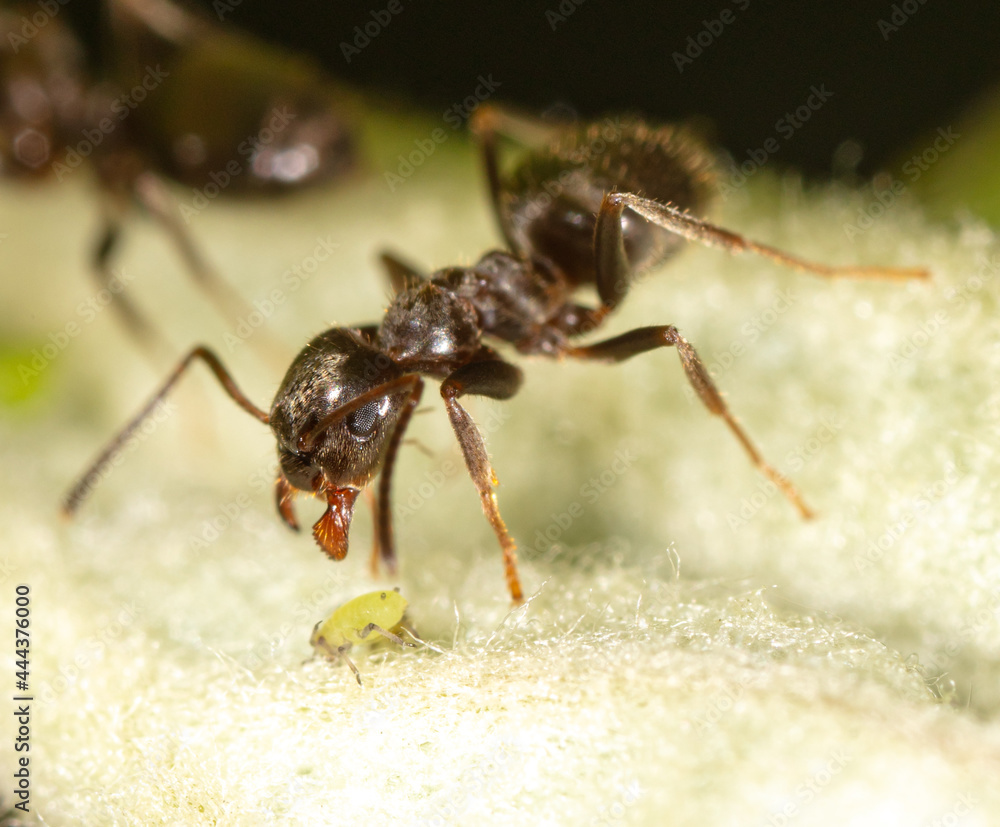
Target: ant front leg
79, 492
385, 543
498, 380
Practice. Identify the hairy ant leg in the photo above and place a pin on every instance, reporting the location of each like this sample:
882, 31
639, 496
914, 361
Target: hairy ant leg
612, 279
495, 379
613, 273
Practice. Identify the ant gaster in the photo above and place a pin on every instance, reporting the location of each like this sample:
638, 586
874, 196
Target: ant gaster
345, 402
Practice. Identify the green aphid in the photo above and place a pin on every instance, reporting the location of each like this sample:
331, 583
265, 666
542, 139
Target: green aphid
364, 621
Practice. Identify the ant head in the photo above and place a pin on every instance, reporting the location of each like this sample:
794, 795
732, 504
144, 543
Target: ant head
335, 412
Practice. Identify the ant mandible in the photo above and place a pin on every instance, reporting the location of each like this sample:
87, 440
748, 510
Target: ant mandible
571, 217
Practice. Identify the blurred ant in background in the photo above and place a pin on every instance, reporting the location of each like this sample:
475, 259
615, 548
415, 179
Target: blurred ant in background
572, 217
185, 99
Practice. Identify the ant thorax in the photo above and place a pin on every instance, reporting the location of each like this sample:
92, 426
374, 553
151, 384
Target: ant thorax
435, 327
430, 329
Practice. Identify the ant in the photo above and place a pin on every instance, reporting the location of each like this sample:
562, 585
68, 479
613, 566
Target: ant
188, 101
341, 411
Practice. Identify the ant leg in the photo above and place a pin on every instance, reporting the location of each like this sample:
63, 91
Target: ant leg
612, 267
489, 122
401, 275
643, 339
81, 490
148, 337
385, 544
151, 192
497, 380
284, 494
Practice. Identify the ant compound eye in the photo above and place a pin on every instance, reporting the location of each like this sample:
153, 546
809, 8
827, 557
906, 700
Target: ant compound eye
362, 422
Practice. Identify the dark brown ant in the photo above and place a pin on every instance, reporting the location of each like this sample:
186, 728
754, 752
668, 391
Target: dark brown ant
185, 100
571, 218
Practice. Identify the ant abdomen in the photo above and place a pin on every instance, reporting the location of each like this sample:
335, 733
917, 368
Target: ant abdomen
551, 201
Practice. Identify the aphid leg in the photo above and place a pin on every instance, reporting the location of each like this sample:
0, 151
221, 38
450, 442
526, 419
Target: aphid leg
79, 492
417, 640
385, 543
354, 668
374, 627
695, 229
643, 339
498, 380
401, 275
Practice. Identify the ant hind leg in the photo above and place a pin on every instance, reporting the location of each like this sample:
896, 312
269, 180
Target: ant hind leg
695, 229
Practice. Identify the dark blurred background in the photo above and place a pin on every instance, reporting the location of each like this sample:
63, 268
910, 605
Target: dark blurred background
895, 69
